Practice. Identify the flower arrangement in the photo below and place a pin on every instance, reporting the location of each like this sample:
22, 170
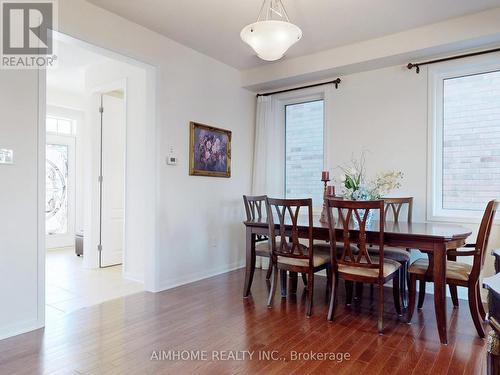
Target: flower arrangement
356, 187
212, 152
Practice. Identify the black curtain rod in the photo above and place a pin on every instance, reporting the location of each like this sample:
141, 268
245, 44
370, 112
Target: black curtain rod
417, 66
336, 82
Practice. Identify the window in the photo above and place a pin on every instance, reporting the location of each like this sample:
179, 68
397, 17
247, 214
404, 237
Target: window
466, 150
304, 125
60, 126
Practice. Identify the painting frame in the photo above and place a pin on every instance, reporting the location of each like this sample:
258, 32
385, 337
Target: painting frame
193, 170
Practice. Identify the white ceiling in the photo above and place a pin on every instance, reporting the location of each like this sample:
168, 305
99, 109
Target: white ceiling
72, 61
213, 26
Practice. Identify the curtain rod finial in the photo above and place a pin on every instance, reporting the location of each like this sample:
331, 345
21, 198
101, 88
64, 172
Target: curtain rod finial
410, 66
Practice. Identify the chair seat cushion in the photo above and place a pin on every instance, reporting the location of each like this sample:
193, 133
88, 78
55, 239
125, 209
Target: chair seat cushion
390, 267
393, 253
262, 248
321, 257
340, 246
454, 270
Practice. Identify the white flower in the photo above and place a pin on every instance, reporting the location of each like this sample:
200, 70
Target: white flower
342, 178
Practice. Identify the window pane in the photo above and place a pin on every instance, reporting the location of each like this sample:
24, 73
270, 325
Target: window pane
304, 151
51, 125
64, 127
471, 141
56, 182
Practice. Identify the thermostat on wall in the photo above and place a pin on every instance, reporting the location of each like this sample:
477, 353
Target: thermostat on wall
171, 160
6, 156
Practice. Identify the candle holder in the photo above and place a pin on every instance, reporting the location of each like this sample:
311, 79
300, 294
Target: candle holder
329, 192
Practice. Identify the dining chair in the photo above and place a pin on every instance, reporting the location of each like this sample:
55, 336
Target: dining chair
361, 267
393, 208
253, 209
496, 254
458, 273
287, 252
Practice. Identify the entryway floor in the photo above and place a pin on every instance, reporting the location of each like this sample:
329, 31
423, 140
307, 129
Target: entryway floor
70, 287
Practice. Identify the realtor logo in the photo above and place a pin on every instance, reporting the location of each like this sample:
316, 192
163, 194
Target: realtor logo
27, 33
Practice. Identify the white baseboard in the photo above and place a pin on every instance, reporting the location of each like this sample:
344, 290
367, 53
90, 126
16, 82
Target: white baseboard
19, 329
173, 283
132, 277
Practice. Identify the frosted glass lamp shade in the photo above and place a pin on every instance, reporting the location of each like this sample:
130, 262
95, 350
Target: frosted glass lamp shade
271, 39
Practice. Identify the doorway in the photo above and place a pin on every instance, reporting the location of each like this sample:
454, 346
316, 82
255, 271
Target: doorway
91, 257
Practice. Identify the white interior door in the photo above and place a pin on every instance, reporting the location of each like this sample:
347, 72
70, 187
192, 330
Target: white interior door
113, 179
60, 191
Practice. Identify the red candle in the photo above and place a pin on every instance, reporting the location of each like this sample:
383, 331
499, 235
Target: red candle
325, 176
330, 191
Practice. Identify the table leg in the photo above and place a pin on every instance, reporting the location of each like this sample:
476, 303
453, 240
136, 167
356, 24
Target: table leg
439, 277
283, 275
250, 261
293, 282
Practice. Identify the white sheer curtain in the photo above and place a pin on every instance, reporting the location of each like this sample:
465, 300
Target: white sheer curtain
269, 152
329, 99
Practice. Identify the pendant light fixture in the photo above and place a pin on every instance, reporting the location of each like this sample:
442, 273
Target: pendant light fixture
273, 33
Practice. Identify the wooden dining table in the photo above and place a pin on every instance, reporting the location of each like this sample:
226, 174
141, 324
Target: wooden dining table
434, 239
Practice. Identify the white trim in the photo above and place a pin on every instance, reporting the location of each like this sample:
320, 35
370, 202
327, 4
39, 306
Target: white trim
40, 214
132, 277
21, 328
197, 276
436, 76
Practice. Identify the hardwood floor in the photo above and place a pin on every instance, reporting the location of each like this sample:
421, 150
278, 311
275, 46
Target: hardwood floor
120, 336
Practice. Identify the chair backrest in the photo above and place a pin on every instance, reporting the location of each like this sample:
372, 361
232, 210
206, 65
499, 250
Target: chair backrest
358, 211
285, 242
483, 237
253, 206
394, 205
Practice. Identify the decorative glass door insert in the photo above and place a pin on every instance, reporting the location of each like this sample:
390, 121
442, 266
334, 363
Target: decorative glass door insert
56, 180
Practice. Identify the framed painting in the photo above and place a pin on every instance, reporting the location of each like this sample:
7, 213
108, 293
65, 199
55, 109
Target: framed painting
209, 151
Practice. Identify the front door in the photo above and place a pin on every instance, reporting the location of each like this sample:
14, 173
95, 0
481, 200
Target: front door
60, 191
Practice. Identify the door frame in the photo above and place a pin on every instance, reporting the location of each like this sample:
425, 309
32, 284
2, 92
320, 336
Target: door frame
151, 242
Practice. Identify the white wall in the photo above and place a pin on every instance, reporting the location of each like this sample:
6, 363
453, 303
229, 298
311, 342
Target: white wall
65, 99
384, 113
200, 226
21, 294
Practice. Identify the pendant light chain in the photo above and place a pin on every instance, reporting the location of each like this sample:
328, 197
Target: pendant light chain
274, 7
